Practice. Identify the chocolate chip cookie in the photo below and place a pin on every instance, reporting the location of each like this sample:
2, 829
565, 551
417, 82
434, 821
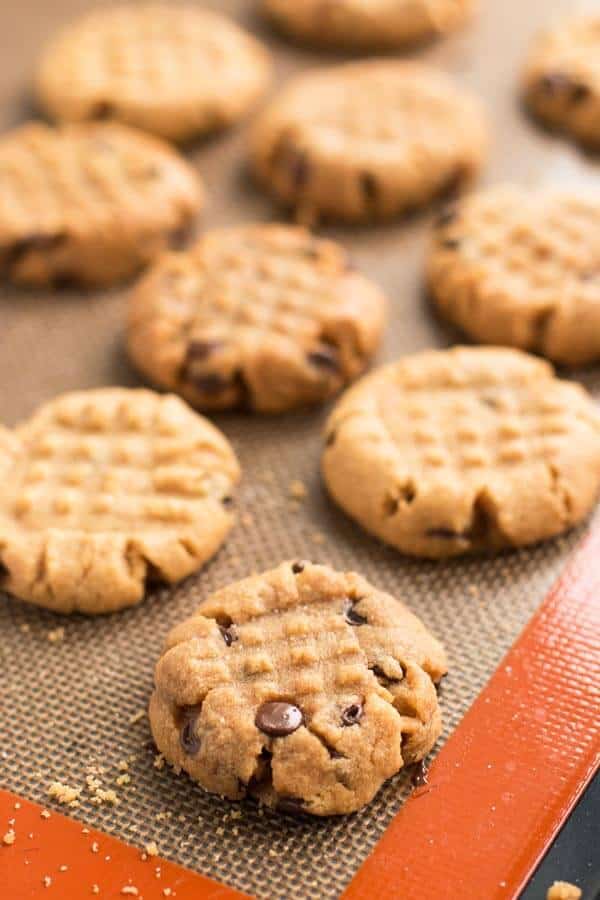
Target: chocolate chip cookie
262, 316
303, 687
367, 141
377, 25
102, 491
561, 80
175, 71
464, 450
89, 204
522, 268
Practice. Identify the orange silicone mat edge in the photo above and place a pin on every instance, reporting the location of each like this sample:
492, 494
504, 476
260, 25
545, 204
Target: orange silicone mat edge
497, 794
75, 858
507, 778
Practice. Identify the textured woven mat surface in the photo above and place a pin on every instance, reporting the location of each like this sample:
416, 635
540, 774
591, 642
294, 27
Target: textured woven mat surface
69, 704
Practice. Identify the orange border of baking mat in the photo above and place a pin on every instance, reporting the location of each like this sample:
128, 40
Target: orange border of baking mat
497, 793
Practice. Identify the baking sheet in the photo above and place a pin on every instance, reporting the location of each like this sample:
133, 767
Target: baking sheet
69, 704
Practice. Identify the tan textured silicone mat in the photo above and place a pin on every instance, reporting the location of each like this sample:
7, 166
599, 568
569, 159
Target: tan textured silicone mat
68, 704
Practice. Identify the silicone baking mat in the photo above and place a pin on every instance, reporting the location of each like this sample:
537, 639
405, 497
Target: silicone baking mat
72, 702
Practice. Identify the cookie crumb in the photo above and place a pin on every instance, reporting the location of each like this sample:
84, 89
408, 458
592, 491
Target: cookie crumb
123, 779
130, 890
137, 717
56, 635
167, 892
17, 806
95, 889
63, 794
25, 627
46, 881
563, 890
95, 847
151, 848
297, 490
63, 868
9, 837
159, 761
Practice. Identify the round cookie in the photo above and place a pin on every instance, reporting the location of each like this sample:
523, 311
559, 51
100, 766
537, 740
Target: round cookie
304, 687
464, 450
378, 24
367, 141
89, 204
522, 268
175, 71
561, 79
262, 316
104, 490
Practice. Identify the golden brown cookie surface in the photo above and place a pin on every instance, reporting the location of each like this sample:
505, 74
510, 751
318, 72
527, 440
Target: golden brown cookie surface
464, 450
521, 268
89, 204
367, 141
303, 686
561, 80
264, 316
174, 70
103, 489
377, 24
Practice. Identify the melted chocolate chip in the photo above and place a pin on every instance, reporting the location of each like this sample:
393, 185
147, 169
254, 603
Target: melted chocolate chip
198, 350
558, 84
330, 439
102, 109
278, 718
290, 804
210, 383
419, 774
228, 635
325, 357
298, 567
227, 501
188, 738
369, 186
351, 616
352, 715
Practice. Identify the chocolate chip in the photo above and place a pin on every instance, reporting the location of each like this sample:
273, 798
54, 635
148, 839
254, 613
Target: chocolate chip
369, 186
558, 84
451, 243
298, 567
325, 357
188, 738
290, 804
420, 772
278, 718
351, 616
446, 216
330, 439
444, 534
228, 635
227, 501
198, 350
102, 109
352, 715
211, 383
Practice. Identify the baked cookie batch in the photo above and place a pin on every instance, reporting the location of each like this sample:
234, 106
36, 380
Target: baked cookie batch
303, 687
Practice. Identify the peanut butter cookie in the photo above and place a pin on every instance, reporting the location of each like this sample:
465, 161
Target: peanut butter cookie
464, 450
367, 141
103, 490
175, 71
264, 316
561, 80
376, 25
304, 687
89, 204
522, 268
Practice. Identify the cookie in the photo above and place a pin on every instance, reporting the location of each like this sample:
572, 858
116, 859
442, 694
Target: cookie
522, 268
561, 79
367, 141
464, 450
377, 25
304, 687
261, 316
89, 204
175, 71
103, 491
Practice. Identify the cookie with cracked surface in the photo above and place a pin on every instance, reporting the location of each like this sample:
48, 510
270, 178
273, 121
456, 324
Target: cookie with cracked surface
520, 268
105, 490
304, 687
89, 204
561, 79
464, 450
264, 316
367, 141
378, 25
175, 71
